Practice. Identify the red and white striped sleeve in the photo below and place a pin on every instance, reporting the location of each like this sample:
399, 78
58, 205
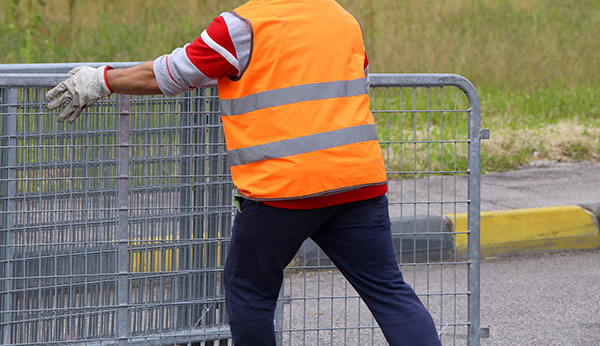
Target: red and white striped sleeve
222, 50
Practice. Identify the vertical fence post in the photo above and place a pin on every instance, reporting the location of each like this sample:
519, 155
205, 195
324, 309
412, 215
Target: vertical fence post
9, 215
4, 200
185, 204
214, 135
122, 239
199, 278
226, 209
473, 216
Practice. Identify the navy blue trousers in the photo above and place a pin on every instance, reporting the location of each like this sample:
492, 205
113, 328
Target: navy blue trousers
357, 238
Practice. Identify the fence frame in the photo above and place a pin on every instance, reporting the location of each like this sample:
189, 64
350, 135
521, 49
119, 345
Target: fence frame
47, 75
474, 191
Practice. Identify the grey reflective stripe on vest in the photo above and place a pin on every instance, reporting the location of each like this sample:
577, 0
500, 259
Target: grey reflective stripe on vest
301, 145
299, 93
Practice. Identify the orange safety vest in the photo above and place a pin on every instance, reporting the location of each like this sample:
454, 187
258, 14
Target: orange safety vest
297, 123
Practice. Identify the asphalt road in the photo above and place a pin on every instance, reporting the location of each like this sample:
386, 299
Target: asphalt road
539, 300
543, 185
545, 299
551, 298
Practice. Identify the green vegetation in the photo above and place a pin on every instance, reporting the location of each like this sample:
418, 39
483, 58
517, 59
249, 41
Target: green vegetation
535, 63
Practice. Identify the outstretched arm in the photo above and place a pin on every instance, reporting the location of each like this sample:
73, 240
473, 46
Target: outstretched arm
211, 56
136, 80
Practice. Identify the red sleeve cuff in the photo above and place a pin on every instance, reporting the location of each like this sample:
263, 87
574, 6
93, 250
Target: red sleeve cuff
106, 68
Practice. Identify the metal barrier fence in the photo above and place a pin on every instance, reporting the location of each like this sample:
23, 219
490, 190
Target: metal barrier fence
114, 230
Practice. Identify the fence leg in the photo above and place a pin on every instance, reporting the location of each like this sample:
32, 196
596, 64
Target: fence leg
279, 315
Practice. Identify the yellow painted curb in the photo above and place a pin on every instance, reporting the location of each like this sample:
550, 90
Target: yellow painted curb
528, 230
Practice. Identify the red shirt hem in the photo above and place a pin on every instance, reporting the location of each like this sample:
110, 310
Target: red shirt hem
330, 200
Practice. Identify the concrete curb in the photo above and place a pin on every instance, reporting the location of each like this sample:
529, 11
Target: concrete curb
504, 232
532, 230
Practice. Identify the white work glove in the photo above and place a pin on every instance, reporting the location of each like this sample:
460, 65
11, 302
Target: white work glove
83, 89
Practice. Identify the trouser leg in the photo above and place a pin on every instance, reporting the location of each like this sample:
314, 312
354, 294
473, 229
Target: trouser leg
264, 241
358, 240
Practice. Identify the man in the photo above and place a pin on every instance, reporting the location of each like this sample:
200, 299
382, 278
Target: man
303, 150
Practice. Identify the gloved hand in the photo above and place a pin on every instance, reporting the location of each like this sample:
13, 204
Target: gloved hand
83, 89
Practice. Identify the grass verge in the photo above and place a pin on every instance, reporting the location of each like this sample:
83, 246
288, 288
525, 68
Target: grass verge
534, 62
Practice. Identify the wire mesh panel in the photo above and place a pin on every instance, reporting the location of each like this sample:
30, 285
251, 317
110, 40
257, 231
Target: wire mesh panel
429, 132
114, 229
180, 212
58, 234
